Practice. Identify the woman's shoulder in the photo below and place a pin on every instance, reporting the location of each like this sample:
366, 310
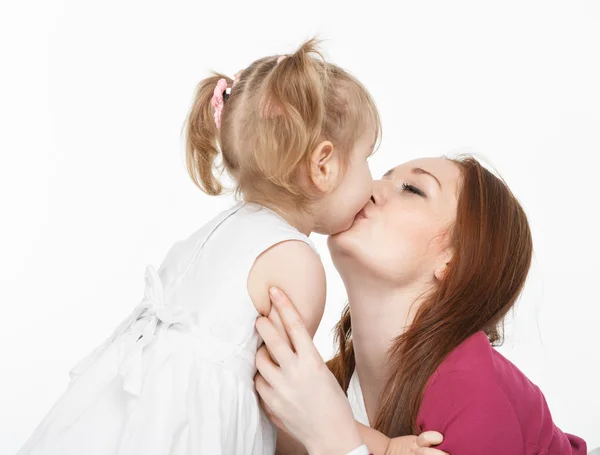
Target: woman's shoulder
472, 370
468, 376
464, 403
474, 354
477, 389
475, 370
479, 365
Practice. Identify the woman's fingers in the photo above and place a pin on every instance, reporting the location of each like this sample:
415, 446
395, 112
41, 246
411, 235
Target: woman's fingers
264, 388
265, 366
278, 324
292, 322
301, 395
282, 353
429, 438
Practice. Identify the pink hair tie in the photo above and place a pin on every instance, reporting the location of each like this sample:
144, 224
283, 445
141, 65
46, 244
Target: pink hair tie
217, 100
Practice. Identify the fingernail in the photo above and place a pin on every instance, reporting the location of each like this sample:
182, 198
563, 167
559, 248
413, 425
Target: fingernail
274, 291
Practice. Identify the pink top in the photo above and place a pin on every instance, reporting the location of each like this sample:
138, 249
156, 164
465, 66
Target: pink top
483, 404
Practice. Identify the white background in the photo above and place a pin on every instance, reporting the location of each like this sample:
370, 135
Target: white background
93, 96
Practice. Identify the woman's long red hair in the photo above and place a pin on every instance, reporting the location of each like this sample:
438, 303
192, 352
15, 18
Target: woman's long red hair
492, 255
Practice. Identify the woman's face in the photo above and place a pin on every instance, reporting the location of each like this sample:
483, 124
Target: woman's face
402, 234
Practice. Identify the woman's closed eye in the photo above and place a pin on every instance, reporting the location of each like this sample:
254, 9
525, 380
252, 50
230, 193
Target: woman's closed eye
413, 189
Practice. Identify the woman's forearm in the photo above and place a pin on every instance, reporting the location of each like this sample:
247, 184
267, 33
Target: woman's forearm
377, 442
288, 445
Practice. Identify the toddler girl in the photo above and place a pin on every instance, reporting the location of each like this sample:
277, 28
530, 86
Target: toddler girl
294, 133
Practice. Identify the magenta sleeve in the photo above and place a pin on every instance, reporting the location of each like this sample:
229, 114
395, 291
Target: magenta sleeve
473, 415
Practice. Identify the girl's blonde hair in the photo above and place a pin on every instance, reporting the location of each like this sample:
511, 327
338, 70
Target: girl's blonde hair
280, 109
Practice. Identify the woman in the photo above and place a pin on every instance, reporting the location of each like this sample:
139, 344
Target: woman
431, 265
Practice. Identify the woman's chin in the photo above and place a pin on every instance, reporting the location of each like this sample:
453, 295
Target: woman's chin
347, 224
346, 241
349, 252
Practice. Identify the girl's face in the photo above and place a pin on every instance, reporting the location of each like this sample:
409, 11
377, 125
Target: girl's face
354, 189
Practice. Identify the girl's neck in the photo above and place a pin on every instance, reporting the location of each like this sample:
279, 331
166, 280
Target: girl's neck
300, 220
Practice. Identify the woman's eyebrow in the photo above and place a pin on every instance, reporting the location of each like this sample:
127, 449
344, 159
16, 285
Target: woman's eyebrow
418, 170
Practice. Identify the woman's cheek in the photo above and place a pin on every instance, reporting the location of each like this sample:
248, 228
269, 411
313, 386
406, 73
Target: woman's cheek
412, 236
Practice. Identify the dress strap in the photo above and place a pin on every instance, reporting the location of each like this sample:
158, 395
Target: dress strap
216, 223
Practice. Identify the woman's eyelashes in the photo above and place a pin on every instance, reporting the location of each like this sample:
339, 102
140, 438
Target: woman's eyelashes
413, 189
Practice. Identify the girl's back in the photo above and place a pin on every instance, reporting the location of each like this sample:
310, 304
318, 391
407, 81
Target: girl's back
207, 276
178, 375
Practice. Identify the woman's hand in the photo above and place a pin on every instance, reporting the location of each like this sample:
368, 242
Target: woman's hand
299, 392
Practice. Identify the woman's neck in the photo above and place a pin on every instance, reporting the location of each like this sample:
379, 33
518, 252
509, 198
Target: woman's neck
380, 313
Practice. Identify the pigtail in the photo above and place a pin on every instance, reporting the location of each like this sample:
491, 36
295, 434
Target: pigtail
202, 138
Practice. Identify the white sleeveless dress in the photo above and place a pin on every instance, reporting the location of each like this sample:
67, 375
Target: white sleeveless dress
357, 402
176, 377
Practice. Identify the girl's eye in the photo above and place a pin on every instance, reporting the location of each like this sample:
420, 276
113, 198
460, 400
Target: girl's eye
412, 189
